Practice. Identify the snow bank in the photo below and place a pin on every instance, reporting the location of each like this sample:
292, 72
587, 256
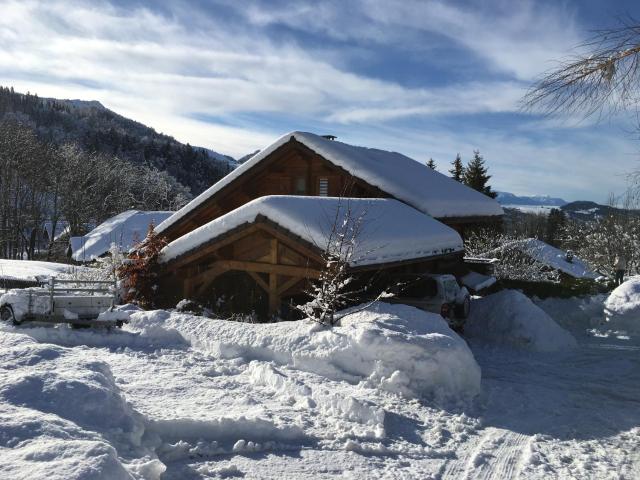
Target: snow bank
406, 179
510, 318
622, 307
392, 347
392, 231
61, 415
114, 316
575, 313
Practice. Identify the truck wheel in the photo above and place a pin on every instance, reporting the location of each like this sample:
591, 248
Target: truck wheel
463, 309
6, 314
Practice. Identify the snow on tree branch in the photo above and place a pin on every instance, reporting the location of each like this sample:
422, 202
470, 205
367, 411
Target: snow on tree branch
335, 289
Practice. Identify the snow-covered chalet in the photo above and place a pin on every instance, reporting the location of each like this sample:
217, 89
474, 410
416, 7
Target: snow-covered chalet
256, 236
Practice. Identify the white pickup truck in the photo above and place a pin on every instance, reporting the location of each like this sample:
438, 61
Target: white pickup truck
435, 293
79, 303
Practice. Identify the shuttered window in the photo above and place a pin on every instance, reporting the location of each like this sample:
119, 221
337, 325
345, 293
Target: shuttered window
323, 187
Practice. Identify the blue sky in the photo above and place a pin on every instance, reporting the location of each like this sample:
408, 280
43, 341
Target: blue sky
425, 78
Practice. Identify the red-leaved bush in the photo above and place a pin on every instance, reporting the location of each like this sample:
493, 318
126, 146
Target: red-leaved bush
139, 271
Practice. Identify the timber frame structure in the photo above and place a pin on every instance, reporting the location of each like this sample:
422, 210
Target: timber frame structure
278, 261
295, 169
271, 260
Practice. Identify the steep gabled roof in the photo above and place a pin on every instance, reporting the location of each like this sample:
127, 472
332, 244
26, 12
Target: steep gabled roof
398, 175
125, 229
392, 231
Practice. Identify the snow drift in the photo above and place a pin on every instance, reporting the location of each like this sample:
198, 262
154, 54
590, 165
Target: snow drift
61, 415
392, 347
510, 318
622, 308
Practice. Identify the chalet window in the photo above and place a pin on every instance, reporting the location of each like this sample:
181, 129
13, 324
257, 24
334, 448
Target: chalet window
323, 187
300, 186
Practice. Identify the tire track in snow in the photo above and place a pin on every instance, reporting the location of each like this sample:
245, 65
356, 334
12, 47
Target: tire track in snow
497, 456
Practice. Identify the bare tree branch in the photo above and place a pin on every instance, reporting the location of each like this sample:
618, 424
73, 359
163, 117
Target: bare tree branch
602, 80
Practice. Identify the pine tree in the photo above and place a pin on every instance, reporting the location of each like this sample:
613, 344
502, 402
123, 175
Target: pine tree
457, 172
556, 222
431, 164
475, 175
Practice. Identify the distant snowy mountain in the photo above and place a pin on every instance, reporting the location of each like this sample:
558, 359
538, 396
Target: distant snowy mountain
506, 198
247, 156
587, 210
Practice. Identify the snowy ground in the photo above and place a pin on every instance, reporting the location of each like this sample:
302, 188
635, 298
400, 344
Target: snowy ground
165, 394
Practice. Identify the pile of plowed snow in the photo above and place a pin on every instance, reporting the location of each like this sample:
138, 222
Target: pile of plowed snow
622, 308
510, 318
393, 347
62, 416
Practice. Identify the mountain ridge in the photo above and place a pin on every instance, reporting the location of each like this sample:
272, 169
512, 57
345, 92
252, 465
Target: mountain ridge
507, 198
95, 127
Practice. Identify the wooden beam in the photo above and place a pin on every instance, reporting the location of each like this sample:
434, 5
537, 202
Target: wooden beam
205, 249
296, 246
258, 279
287, 270
205, 278
288, 284
209, 280
274, 251
274, 298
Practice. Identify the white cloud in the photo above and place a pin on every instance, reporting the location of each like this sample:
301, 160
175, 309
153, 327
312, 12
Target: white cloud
516, 37
167, 70
151, 58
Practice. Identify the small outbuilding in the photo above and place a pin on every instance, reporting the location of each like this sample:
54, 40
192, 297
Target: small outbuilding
124, 230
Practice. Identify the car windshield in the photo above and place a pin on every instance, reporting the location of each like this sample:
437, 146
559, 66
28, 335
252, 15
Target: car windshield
419, 287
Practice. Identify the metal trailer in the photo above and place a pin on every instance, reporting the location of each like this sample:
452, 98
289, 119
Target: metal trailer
63, 301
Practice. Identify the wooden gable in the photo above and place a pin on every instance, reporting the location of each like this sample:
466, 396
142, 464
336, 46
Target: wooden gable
292, 169
295, 169
276, 260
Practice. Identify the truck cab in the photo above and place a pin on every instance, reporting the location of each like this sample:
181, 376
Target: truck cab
435, 293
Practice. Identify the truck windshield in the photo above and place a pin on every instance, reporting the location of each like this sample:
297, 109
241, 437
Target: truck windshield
450, 288
419, 287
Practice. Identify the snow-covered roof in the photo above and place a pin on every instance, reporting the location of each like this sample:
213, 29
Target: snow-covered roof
554, 257
392, 230
404, 178
477, 281
125, 229
29, 270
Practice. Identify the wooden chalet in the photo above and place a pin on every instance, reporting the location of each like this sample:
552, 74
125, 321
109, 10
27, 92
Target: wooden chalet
265, 251
256, 235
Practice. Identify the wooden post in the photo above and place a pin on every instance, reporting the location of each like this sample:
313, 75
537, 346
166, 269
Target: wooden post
274, 298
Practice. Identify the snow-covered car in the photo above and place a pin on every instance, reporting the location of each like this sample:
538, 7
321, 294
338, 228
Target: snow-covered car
435, 293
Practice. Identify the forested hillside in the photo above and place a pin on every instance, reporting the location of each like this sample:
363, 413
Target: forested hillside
72, 164
95, 128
